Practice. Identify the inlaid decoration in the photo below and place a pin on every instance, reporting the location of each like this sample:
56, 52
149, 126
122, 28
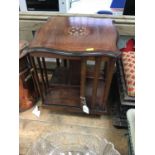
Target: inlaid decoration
78, 31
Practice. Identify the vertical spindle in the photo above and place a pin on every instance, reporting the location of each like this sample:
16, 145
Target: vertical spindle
41, 72
96, 80
45, 71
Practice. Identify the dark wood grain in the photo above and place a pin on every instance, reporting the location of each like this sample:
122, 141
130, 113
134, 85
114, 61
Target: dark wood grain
109, 75
45, 72
36, 78
83, 80
42, 75
67, 33
50, 52
75, 40
96, 80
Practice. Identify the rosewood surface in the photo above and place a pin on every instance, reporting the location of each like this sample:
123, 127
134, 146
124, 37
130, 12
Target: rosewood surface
77, 34
73, 41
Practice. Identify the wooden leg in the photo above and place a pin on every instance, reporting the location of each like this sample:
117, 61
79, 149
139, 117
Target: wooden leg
108, 79
83, 79
34, 83
33, 78
96, 79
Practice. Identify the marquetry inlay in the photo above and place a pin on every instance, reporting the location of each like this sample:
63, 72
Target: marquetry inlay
78, 31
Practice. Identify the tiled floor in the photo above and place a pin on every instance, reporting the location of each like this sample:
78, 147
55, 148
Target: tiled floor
32, 127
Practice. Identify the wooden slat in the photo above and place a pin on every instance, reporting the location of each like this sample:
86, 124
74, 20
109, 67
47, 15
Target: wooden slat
45, 72
35, 84
96, 79
83, 79
33, 77
42, 75
36, 77
109, 74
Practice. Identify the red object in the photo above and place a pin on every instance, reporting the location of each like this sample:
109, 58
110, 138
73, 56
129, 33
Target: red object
128, 60
130, 46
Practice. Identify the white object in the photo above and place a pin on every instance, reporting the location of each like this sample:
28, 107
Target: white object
36, 111
85, 109
64, 6
22, 5
90, 6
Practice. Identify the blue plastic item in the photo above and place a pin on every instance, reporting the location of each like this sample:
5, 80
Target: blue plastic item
104, 12
118, 4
